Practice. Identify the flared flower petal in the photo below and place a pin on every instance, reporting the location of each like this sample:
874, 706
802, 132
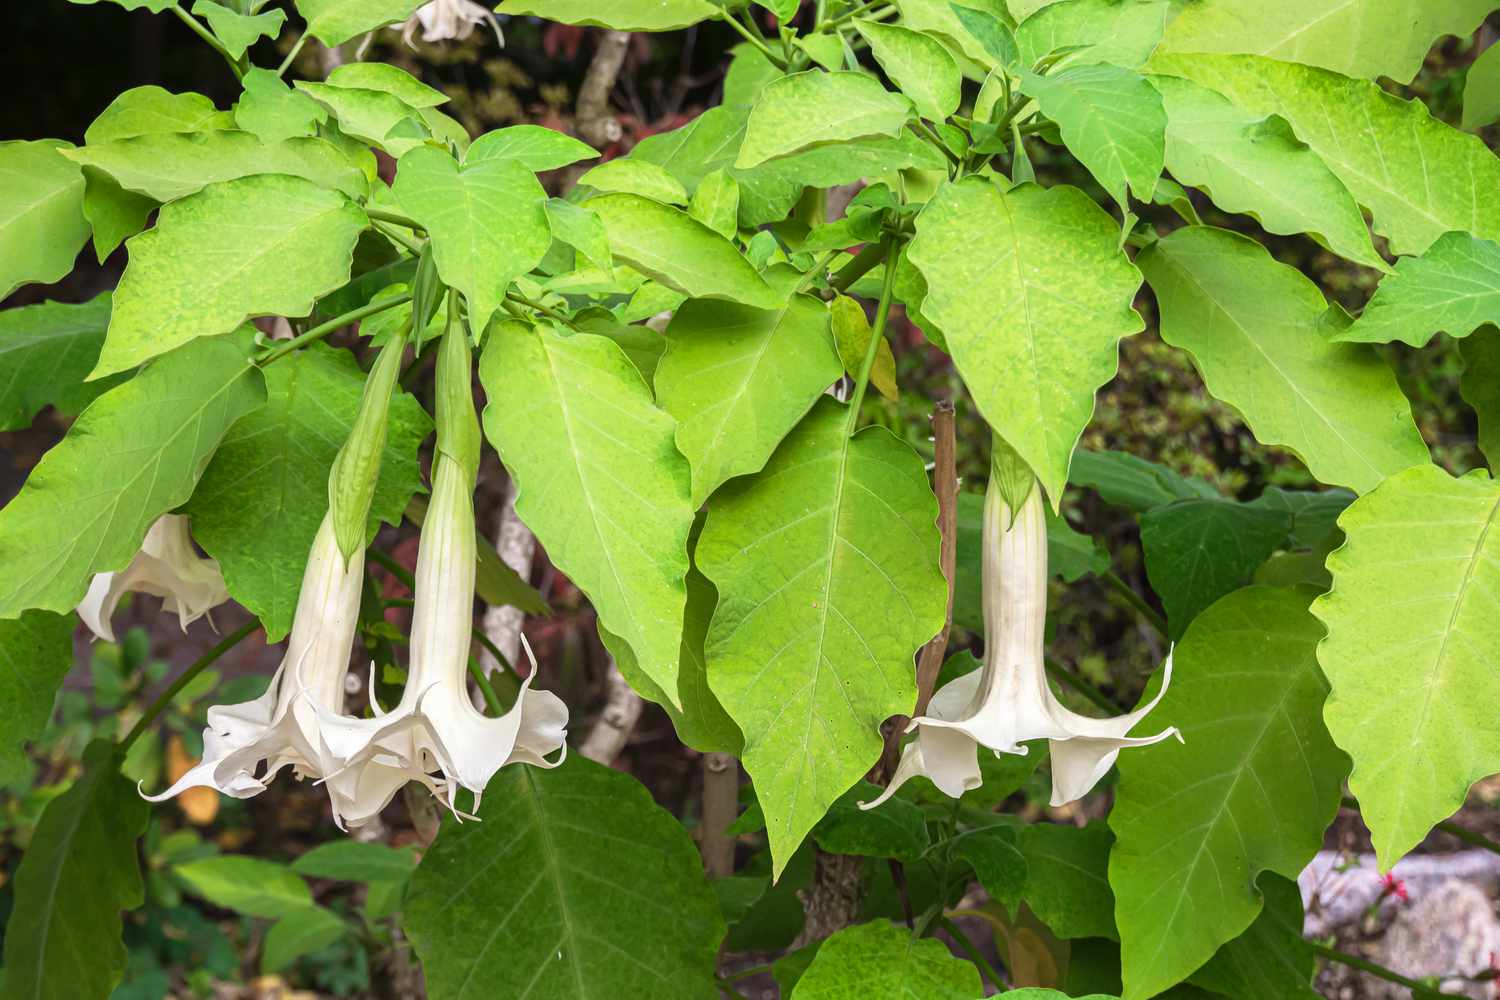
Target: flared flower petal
449, 20
167, 566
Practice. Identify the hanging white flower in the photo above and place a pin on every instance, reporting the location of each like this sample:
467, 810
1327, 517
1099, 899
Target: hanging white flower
449, 20
167, 566
1009, 701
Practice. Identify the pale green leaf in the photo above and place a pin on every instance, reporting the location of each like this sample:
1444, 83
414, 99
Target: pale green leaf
152, 110
252, 886
937, 17
1259, 332
601, 483
580, 229
1453, 288
1482, 90
374, 116
1480, 386
334, 22
533, 146
1418, 177
882, 960
738, 379
255, 246
1122, 32
36, 652
824, 48
1411, 621
1033, 295
298, 933
1258, 166
239, 31
1360, 38
272, 110
851, 333
262, 498
918, 65
816, 108
45, 352
62, 941
42, 226
716, 203
591, 891
679, 251
1112, 119
622, 15
387, 79
826, 567
488, 222
135, 454
748, 73
1251, 788
636, 177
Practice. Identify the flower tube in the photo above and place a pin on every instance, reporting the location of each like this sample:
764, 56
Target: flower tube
167, 566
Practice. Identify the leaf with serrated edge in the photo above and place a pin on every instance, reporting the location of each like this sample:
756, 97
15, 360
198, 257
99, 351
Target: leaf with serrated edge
1258, 331
1251, 789
42, 226
882, 960
135, 454
600, 482
1411, 620
1033, 294
826, 566
1453, 288
816, 108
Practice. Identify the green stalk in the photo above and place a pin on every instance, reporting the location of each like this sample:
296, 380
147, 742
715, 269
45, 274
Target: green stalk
184, 679
877, 335
1083, 687
926, 132
394, 218
863, 263
286, 63
324, 329
1418, 990
213, 43
963, 942
754, 39
1137, 603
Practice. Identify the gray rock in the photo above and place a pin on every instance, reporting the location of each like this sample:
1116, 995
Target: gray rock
1450, 929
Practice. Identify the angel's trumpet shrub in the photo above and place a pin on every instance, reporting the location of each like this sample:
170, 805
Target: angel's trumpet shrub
167, 566
1008, 701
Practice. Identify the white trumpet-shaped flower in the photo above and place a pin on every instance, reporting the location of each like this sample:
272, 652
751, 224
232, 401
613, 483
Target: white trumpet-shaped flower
1008, 701
167, 566
449, 20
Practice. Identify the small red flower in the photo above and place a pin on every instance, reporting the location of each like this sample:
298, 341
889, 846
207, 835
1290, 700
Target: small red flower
1393, 886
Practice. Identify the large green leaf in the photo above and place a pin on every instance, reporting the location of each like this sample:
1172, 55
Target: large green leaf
334, 22
1453, 288
256, 246
679, 251
815, 108
45, 352
1411, 620
261, 500
601, 482
1251, 790
623, 15
1271, 960
1363, 38
487, 220
1480, 386
1063, 875
1107, 31
918, 64
826, 567
252, 886
939, 19
589, 891
1262, 335
36, 651
1418, 177
151, 110
274, 111
883, 960
737, 379
1128, 481
898, 829
1252, 164
135, 454
1112, 119
1482, 90
62, 941
42, 227
376, 117
1033, 294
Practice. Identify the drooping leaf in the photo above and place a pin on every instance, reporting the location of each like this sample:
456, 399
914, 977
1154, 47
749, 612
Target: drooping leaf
151, 110
1418, 177
679, 251
1314, 513
1271, 960
738, 379
387, 79
637, 177
1453, 288
1112, 119
622, 15
826, 567
36, 651
1033, 295
917, 64
815, 108
1260, 333
371, 117
851, 334
45, 352
42, 227
601, 482
882, 960
262, 498
236, 30
1480, 386
63, 938
252, 886
1251, 789
1482, 90
1258, 166
272, 110
535, 147
1108, 31
334, 22
578, 901
299, 933
255, 246
939, 19
488, 222
1132, 482
580, 229
1410, 620
135, 454
1360, 38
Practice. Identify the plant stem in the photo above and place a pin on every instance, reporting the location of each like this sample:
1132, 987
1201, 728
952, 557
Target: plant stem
286, 63
394, 232
1136, 601
963, 942
184, 679
926, 132
540, 307
877, 336
1418, 990
1083, 687
1449, 827
324, 329
208, 36
863, 263
857, 10
754, 40
392, 567
395, 218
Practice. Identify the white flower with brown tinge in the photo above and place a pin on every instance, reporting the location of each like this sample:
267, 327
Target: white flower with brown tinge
167, 566
1008, 701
